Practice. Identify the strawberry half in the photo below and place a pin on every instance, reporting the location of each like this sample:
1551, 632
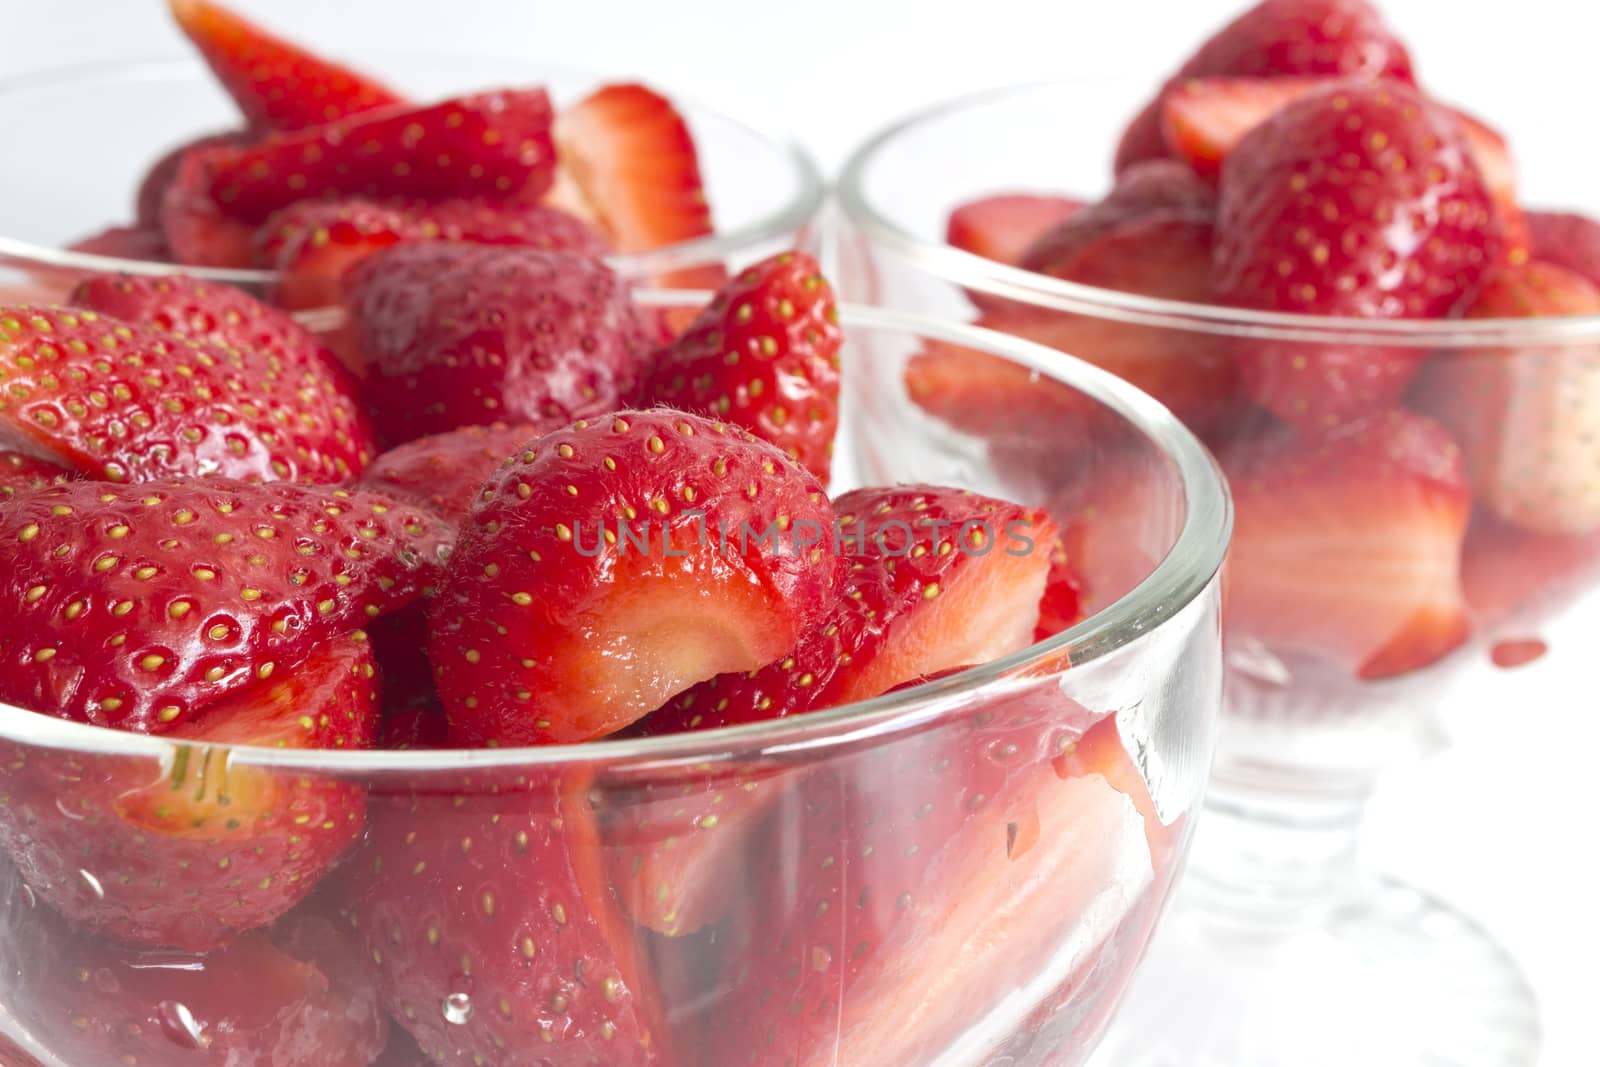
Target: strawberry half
1308, 223
935, 579
257, 399
765, 355
197, 233
21, 474
494, 933
446, 473
460, 335
1528, 419
152, 194
1002, 227
1344, 38
1513, 575
1566, 240
1347, 547
278, 85
125, 242
261, 1001
617, 562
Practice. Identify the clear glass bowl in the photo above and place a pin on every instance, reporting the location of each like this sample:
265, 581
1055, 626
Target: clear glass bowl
1013, 947
1312, 714
90, 133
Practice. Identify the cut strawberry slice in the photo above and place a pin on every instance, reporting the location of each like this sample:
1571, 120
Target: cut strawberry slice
615, 563
152, 194
1002, 227
197, 232
126, 242
1513, 575
936, 579
446, 473
21, 474
1061, 603
1566, 240
1347, 548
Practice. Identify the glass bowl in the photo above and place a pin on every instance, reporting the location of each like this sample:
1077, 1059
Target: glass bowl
1013, 944
1315, 708
92, 131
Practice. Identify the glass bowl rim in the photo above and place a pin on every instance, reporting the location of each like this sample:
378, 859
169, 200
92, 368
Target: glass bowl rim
971, 271
1188, 569
802, 207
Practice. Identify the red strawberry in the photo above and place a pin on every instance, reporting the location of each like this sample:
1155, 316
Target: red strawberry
22, 474
1002, 227
494, 932
764, 354
916, 879
1157, 194
1493, 156
131, 402
1061, 603
618, 562
262, 1001
1566, 240
1528, 419
152, 194
1276, 38
459, 335
1512, 575
140, 606
1347, 548
1309, 221
197, 232
939, 579
125, 242
445, 473
278, 85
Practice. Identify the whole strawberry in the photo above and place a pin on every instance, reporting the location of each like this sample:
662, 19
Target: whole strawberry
763, 354
1361, 200
461, 335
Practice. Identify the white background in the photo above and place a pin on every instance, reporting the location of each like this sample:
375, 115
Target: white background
1502, 824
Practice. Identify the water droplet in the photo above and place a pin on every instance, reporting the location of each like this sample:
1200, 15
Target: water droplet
180, 1025
457, 1008
94, 884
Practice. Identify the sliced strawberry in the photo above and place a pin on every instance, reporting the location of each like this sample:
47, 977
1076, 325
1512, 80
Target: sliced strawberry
1159, 194
140, 606
261, 1001
152, 194
765, 355
143, 243
494, 144
314, 243
1513, 575
1528, 419
1306, 224
618, 562
1273, 39
936, 579
1061, 603
22, 474
1002, 227
197, 232
1493, 156
278, 85
1347, 548
445, 473
1566, 240
494, 933
459, 335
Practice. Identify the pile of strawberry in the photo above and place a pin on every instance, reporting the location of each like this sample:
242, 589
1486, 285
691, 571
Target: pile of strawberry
1390, 497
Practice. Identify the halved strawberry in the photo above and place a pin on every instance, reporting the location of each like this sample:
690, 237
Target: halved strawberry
140, 606
1566, 240
763, 354
494, 933
1528, 419
265, 1000
1002, 227
460, 334
1061, 603
152, 194
934, 579
617, 562
21, 473
145, 243
1513, 575
446, 473
278, 85
1273, 39
1347, 547
256, 399
198, 234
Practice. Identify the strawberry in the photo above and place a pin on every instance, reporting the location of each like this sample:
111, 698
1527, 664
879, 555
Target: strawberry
1566, 240
494, 933
1273, 39
1528, 419
494, 144
458, 335
936, 579
152, 194
1002, 227
1061, 603
21, 474
265, 1000
1156, 194
314, 243
125, 242
1347, 546
140, 606
765, 355
1308, 222
198, 234
445, 473
278, 85
916, 878
1513, 575
617, 562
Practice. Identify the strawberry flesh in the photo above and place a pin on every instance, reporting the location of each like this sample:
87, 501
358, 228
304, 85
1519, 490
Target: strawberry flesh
1566, 240
1002, 227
